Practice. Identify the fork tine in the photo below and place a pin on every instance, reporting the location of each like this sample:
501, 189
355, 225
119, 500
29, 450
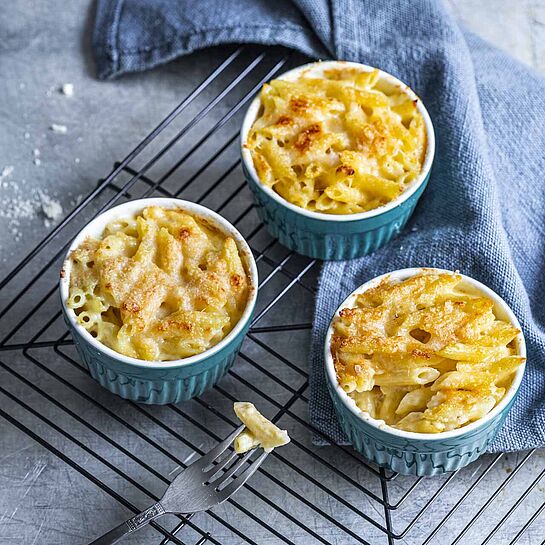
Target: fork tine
239, 481
209, 457
219, 466
233, 469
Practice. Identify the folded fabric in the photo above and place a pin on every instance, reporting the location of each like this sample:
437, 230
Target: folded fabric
483, 212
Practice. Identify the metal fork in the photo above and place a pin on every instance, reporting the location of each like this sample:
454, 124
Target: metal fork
200, 486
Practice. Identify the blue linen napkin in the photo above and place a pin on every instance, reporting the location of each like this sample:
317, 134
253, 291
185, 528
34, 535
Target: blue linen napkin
484, 210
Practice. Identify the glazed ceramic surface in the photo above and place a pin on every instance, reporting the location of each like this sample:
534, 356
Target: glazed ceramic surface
331, 236
422, 454
158, 382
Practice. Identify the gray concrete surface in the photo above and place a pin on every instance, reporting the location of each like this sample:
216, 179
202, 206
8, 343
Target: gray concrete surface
44, 44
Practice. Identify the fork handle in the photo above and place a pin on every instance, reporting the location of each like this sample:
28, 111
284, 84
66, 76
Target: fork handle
131, 525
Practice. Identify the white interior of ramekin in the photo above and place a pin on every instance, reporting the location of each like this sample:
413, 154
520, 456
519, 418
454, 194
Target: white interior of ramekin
129, 209
502, 311
317, 69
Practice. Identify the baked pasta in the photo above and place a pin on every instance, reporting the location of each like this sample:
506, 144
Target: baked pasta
259, 431
160, 286
427, 354
342, 143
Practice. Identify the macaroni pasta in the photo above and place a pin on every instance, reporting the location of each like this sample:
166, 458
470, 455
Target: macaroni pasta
342, 143
425, 354
161, 286
258, 432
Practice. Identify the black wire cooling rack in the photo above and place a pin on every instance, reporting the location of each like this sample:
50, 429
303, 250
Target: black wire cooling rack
303, 494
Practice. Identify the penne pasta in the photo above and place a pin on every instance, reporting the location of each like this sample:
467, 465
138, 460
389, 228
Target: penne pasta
337, 144
160, 286
407, 377
423, 354
368, 402
245, 441
414, 401
391, 397
259, 430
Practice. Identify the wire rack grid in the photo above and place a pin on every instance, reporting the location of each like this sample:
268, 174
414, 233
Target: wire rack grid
303, 494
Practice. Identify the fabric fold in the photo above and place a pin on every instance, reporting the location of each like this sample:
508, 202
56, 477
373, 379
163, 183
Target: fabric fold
483, 212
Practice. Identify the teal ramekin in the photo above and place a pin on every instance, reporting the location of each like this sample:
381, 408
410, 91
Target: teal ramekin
421, 454
158, 382
330, 236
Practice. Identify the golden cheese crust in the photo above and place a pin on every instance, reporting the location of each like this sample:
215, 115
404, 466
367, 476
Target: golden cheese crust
339, 144
160, 286
426, 354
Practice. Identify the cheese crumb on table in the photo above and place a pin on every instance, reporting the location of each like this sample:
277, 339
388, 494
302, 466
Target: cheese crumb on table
76, 200
67, 89
7, 171
19, 206
59, 129
51, 208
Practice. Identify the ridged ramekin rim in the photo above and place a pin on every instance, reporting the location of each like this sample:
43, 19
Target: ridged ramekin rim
135, 206
366, 419
251, 115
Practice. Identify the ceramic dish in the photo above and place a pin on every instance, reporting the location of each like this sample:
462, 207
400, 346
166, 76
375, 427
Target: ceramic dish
329, 236
413, 453
158, 382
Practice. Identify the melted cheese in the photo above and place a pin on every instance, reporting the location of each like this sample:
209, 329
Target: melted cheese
340, 144
160, 286
424, 354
